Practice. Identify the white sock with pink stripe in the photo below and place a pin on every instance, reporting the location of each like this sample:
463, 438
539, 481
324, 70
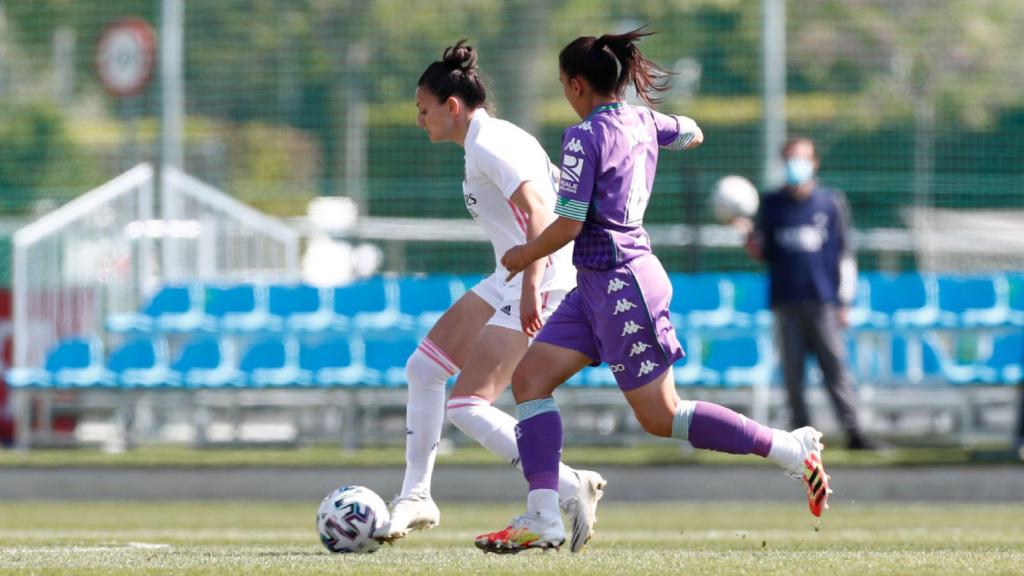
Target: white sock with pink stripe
427, 371
496, 431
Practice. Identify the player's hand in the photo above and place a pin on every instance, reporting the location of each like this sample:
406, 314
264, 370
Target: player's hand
843, 315
753, 245
515, 261
530, 313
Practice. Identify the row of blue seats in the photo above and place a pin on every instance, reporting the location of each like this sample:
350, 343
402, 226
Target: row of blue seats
335, 360
377, 302
699, 301
884, 301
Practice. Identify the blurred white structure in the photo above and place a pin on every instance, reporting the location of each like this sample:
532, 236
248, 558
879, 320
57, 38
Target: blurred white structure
109, 249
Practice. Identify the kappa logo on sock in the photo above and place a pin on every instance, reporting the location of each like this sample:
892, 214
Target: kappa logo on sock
507, 309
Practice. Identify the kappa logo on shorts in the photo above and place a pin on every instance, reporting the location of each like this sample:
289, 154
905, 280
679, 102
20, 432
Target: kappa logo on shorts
507, 309
631, 327
646, 367
616, 284
623, 305
519, 433
616, 368
638, 348
574, 146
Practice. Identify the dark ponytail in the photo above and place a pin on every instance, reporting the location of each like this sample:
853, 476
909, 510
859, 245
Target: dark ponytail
455, 75
612, 61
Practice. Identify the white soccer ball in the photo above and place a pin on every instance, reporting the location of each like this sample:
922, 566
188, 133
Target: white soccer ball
348, 518
734, 197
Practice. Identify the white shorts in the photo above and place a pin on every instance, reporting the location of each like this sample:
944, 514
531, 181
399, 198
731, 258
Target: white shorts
504, 298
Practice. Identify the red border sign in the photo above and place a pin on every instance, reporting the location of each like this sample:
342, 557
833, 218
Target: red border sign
125, 56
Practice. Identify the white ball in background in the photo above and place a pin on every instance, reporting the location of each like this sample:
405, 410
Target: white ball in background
734, 197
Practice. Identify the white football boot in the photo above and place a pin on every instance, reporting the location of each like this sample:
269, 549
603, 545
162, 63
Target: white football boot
409, 514
812, 470
523, 533
582, 509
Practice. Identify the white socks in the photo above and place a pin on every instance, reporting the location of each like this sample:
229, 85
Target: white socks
786, 451
543, 504
495, 430
427, 371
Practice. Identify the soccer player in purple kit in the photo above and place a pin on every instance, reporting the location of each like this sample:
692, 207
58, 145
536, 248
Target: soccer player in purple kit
619, 312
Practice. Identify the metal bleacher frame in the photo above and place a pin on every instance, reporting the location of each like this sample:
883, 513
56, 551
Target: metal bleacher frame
110, 249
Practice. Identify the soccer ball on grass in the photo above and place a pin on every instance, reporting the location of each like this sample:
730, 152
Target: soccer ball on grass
348, 518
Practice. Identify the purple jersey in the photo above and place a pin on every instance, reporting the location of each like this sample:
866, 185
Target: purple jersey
608, 165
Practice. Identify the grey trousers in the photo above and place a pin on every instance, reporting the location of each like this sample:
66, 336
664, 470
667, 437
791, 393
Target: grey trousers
802, 327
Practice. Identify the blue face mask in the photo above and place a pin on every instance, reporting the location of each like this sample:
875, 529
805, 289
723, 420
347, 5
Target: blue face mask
798, 171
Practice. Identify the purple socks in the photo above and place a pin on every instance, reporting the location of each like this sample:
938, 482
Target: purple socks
539, 437
713, 427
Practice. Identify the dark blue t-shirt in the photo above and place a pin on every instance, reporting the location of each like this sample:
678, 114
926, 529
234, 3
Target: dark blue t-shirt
803, 242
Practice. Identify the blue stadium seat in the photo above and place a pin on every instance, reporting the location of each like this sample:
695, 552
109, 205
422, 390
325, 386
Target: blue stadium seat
385, 359
595, 377
273, 362
299, 308
368, 304
861, 314
1007, 358
911, 361
740, 360
936, 358
171, 309
690, 371
1015, 298
422, 300
751, 300
701, 300
73, 362
974, 300
236, 308
207, 362
334, 361
909, 300
142, 363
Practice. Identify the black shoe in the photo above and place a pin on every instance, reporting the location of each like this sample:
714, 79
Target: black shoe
861, 442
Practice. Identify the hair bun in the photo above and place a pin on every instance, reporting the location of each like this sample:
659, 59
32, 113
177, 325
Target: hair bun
460, 56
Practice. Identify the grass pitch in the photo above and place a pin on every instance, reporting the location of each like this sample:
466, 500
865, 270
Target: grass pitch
650, 538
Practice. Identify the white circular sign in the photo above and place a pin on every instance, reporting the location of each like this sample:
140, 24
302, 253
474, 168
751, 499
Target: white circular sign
125, 56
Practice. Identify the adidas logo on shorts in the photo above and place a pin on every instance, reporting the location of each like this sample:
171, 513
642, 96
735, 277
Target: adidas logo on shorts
507, 310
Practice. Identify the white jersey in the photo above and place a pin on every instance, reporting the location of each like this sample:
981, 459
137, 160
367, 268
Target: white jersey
499, 157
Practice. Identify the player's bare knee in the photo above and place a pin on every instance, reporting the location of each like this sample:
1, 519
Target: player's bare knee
656, 424
527, 385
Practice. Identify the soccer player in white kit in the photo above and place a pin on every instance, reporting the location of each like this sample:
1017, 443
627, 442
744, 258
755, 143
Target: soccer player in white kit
509, 190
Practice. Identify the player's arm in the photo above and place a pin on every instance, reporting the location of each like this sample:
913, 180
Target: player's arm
529, 198
559, 233
677, 132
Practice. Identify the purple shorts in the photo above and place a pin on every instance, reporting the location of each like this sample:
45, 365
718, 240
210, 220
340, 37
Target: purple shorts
619, 316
